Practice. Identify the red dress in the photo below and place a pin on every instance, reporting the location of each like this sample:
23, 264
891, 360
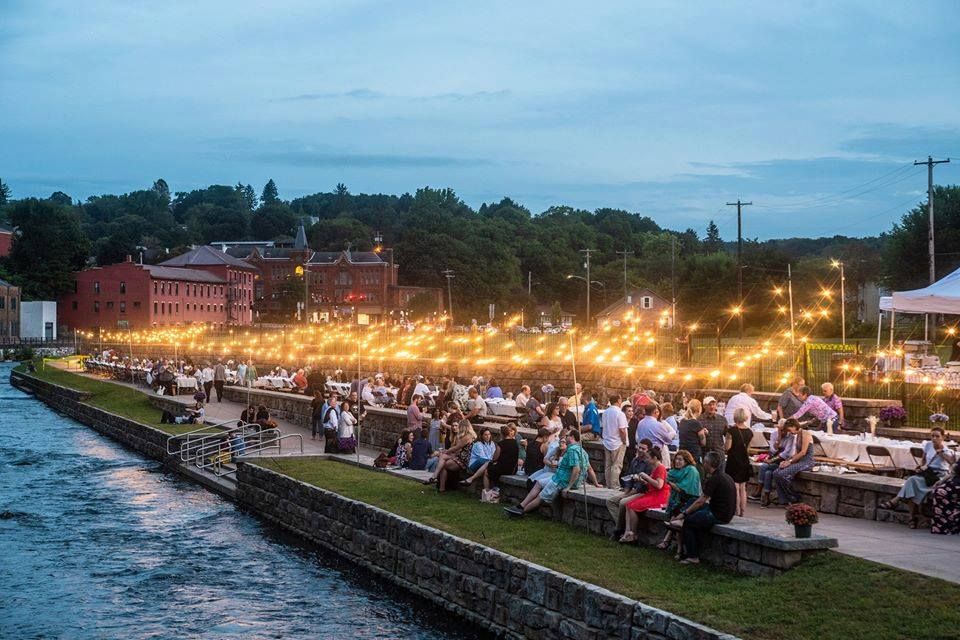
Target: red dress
653, 498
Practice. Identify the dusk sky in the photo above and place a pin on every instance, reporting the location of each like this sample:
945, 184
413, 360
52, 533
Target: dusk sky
813, 110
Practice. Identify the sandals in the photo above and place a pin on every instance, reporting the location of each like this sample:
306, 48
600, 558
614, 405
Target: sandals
663, 546
430, 481
914, 523
887, 504
627, 538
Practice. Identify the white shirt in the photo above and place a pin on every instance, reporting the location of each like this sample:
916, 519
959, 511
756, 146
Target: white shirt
747, 402
207, 374
367, 395
521, 400
346, 424
613, 426
422, 390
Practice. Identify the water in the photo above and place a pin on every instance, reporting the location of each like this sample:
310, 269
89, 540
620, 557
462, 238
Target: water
97, 542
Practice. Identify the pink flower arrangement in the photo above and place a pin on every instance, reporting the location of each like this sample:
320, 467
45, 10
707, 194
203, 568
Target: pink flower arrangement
801, 514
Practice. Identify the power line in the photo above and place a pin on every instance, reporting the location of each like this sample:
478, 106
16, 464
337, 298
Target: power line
849, 194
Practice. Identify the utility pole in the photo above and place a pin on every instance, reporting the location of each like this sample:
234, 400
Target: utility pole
793, 328
449, 275
930, 162
673, 282
740, 206
587, 253
529, 282
624, 253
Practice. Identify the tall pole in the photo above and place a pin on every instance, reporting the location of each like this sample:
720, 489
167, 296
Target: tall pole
449, 275
673, 282
739, 206
843, 306
930, 162
306, 296
529, 282
624, 253
587, 253
793, 330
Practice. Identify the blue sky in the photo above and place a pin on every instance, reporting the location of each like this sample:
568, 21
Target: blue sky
813, 110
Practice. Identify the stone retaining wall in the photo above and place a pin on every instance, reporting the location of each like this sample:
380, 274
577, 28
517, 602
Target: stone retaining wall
144, 439
501, 593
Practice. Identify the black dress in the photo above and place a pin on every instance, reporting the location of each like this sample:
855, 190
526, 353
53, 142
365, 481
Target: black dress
738, 458
534, 459
506, 464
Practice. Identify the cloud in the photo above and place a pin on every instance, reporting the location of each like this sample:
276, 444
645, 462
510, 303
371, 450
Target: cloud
307, 158
370, 94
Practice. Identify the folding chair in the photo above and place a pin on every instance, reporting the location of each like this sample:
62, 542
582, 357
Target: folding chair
880, 452
917, 453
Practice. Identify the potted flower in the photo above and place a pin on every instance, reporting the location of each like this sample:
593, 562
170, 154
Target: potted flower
893, 416
938, 417
802, 516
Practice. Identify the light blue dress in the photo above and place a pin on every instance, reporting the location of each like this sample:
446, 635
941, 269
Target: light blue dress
544, 475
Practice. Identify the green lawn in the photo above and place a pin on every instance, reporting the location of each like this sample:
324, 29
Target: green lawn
114, 398
828, 596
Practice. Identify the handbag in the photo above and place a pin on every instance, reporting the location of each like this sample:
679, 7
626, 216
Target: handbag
930, 475
382, 461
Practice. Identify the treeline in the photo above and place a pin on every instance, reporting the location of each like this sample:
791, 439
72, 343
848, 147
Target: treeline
496, 252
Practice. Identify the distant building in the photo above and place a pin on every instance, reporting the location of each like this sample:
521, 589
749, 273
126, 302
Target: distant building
642, 306
127, 295
6, 240
240, 277
9, 310
38, 320
544, 317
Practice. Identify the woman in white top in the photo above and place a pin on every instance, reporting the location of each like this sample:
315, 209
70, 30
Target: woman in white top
346, 441
937, 459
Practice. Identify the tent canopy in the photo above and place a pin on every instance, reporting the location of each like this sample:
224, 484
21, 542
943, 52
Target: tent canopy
943, 296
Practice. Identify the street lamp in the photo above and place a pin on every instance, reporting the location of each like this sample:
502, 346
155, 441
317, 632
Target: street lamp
837, 264
303, 273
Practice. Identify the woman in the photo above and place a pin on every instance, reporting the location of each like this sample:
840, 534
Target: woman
946, 504
506, 457
684, 482
693, 435
937, 458
554, 422
736, 443
655, 497
481, 454
493, 390
346, 443
553, 450
782, 447
406, 391
455, 458
801, 460
404, 447
536, 449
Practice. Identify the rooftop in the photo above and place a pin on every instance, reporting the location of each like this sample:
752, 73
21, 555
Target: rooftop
205, 256
180, 273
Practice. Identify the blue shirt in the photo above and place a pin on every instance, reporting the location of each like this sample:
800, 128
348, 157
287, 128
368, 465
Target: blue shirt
591, 416
482, 451
494, 392
651, 429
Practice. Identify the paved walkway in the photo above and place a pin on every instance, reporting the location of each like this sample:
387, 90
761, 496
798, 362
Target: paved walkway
883, 542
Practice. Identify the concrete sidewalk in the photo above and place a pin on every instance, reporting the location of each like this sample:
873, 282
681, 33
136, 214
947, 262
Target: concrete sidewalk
886, 543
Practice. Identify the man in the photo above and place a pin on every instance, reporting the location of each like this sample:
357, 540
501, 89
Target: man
522, 398
534, 411
206, 377
576, 401
790, 399
476, 407
716, 505
590, 428
414, 415
613, 432
639, 399
570, 474
745, 399
631, 487
317, 407
251, 374
330, 417
657, 432
816, 407
219, 379
834, 402
567, 418
715, 425
421, 388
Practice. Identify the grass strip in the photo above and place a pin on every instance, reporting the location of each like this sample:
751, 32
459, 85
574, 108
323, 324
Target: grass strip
114, 398
828, 596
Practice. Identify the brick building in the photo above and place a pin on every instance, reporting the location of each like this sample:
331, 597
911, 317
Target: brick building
239, 276
9, 310
6, 240
642, 306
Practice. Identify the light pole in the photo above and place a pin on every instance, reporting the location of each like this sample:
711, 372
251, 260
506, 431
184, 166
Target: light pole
843, 301
302, 271
570, 276
449, 273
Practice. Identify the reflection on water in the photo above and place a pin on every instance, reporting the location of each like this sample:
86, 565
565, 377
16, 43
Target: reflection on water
98, 542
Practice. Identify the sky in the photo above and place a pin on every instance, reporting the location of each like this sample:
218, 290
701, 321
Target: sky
814, 111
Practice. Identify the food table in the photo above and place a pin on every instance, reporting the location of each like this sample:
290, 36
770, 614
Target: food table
502, 407
185, 382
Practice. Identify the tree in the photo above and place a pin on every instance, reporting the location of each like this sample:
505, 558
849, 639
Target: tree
59, 197
247, 196
421, 306
905, 254
712, 243
48, 248
270, 194
162, 189
272, 220
4, 192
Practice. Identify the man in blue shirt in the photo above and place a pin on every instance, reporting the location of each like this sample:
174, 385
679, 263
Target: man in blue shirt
652, 429
591, 428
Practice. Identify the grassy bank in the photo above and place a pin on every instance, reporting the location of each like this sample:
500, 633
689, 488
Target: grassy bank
828, 596
114, 398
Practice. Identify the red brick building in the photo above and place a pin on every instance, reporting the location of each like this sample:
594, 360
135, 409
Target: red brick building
129, 295
238, 275
6, 240
9, 310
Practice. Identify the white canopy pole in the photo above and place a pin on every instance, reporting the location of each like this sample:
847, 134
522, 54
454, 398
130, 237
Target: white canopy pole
893, 321
879, 329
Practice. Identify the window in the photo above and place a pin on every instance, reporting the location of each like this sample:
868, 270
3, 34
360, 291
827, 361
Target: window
154, 306
96, 306
163, 288
123, 307
154, 287
73, 305
123, 287
13, 302
208, 291
163, 309
343, 278
646, 302
136, 304
76, 286
110, 304
170, 308
178, 307
176, 288
96, 286
3, 302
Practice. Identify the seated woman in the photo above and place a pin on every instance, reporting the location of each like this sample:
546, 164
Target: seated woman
552, 453
937, 459
505, 458
536, 450
801, 460
684, 482
946, 504
456, 458
481, 455
400, 456
782, 447
655, 497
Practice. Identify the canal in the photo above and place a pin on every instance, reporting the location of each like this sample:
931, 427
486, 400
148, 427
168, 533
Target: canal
97, 542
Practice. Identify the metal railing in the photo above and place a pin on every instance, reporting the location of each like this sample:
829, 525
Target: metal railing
204, 429
217, 458
201, 441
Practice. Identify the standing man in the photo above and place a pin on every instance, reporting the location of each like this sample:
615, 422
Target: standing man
716, 505
614, 434
746, 400
219, 379
790, 400
414, 415
206, 375
715, 425
251, 375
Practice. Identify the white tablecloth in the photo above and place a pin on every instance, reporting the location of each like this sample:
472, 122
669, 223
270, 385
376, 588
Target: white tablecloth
502, 407
273, 382
186, 382
854, 449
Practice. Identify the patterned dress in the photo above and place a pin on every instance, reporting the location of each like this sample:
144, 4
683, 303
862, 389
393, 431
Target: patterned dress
946, 507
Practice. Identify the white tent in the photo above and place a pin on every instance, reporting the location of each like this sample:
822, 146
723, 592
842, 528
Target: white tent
943, 296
